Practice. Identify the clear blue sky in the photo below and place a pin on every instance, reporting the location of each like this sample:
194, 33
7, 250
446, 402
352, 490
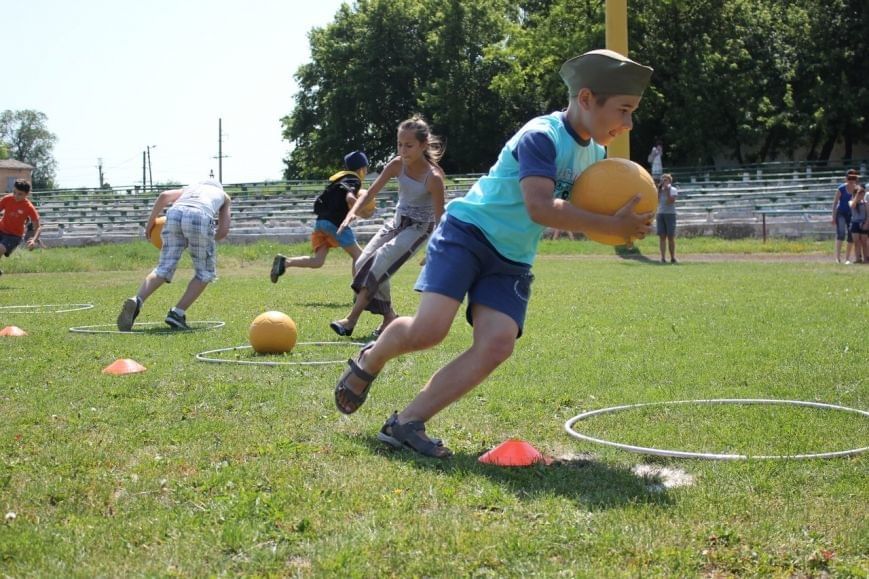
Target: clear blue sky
115, 76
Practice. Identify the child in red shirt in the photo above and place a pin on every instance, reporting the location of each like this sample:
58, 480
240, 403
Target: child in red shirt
17, 209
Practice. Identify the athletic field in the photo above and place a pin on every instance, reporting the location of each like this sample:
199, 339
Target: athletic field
201, 469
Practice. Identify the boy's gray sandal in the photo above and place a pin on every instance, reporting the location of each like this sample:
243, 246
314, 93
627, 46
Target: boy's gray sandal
410, 435
353, 401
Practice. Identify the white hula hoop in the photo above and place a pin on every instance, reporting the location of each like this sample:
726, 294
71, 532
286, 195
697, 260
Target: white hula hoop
195, 326
33, 310
568, 426
204, 356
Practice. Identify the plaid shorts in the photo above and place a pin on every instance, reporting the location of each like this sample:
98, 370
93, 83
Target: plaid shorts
194, 229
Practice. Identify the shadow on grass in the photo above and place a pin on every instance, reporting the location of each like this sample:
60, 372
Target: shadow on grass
588, 482
633, 254
346, 304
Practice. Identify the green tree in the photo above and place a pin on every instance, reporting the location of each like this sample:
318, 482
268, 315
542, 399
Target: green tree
750, 80
363, 79
28, 140
833, 76
457, 97
382, 61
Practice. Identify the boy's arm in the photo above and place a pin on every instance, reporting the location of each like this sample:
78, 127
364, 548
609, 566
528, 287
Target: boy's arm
561, 214
165, 198
223, 220
37, 229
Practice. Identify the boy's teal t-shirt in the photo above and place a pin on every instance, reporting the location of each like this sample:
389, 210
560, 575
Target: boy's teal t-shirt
495, 203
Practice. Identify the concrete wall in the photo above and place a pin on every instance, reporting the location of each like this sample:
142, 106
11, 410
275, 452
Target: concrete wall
8, 176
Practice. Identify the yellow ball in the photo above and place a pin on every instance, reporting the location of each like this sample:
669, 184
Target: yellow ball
607, 185
272, 333
155, 238
369, 208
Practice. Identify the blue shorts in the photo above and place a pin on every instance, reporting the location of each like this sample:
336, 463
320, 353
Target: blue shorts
460, 260
10, 242
843, 227
347, 237
666, 224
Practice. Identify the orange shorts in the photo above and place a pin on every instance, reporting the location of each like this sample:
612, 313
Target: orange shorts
321, 238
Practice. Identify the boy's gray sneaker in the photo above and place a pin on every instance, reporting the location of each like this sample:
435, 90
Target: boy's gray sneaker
176, 322
129, 312
278, 268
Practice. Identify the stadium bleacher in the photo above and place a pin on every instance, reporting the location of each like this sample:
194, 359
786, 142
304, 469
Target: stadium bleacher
782, 199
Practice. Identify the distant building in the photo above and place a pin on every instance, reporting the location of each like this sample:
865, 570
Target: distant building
10, 170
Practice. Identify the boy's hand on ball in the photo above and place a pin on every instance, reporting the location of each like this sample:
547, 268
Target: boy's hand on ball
633, 225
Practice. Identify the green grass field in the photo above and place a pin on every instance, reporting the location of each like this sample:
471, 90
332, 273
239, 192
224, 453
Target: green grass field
196, 469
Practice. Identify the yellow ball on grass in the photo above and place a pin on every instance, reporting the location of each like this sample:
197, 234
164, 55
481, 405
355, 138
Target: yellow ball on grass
272, 333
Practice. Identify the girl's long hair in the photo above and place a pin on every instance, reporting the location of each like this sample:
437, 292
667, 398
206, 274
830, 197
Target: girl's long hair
435, 147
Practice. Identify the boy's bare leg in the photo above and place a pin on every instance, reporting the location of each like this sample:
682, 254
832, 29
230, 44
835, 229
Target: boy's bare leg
426, 329
193, 291
150, 284
494, 338
313, 261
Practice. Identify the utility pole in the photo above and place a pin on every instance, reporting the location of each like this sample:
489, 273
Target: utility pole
220, 156
220, 149
150, 175
144, 181
100, 167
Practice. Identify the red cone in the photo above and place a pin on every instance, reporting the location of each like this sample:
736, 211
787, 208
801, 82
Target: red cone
514, 452
123, 366
12, 331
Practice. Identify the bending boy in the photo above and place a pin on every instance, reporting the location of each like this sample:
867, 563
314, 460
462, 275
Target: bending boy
199, 217
17, 209
487, 241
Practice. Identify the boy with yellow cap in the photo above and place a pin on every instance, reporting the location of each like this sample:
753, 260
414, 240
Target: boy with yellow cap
486, 242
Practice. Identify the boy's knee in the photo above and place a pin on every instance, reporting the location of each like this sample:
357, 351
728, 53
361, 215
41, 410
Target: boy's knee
497, 351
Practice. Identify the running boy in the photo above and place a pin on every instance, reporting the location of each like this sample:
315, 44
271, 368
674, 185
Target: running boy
17, 209
331, 208
487, 241
190, 222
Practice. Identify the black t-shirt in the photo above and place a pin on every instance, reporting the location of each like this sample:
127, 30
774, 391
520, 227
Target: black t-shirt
331, 204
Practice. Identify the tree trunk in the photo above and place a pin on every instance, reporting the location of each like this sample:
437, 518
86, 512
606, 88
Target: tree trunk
812, 155
768, 144
827, 149
849, 146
